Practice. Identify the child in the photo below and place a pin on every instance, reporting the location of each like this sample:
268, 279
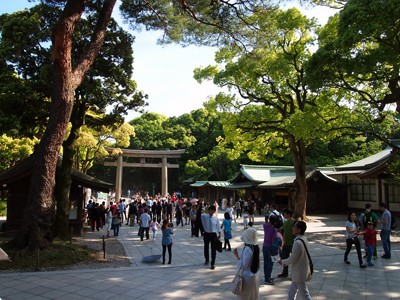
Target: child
154, 227
370, 241
245, 219
227, 225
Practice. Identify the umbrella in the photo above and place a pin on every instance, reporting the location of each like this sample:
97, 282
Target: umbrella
151, 258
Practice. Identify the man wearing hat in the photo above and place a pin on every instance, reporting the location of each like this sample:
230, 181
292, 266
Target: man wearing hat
249, 264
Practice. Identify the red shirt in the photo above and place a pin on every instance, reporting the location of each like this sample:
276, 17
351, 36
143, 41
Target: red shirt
370, 236
113, 209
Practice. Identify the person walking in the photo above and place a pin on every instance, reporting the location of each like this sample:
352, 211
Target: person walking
144, 220
352, 230
227, 226
386, 221
251, 210
229, 210
109, 218
270, 234
238, 207
301, 272
212, 232
116, 223
192, 215
288, 238
199, 230
166, 240
249, 264
154, 227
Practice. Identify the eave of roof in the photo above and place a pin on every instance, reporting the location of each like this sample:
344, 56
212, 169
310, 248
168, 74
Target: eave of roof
368, 162
241, 185
210, 183
24, 169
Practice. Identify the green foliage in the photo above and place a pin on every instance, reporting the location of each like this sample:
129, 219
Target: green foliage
13, 150
196, 132
275, 101
394, 167
192, 22
359, 53
26, 82
3, 206
25, 79
91, 144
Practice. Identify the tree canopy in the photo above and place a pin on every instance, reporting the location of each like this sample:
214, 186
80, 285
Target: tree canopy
359, 53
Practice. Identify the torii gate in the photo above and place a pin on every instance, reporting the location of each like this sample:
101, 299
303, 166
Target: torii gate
143, 154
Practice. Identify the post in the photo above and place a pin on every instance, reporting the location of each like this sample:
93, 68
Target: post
164, 177
37, 258
104, 247
118, 179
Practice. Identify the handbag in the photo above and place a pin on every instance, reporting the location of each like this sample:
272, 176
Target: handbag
237, 283
309, 257
219, 245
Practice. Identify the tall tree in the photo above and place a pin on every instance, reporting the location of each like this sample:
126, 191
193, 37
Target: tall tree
107, 84
359, 53
39, 210
177, 18
275, 112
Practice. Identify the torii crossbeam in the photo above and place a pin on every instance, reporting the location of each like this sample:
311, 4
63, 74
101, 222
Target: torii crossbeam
143, 154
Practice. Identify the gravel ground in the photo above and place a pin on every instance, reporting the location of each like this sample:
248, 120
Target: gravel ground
337, 238
115, 253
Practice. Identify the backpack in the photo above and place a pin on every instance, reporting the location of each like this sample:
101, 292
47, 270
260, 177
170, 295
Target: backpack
368, 217
393, 223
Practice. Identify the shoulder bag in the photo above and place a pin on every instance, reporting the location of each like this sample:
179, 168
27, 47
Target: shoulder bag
237, 281
309, 257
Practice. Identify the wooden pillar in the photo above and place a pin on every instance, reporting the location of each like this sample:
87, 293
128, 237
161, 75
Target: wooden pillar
164, 177
118, 179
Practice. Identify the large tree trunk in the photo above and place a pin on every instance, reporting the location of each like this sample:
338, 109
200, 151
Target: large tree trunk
297, 148
39, 210
63, 174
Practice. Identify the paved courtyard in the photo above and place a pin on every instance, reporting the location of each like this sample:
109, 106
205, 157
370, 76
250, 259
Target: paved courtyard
187, 277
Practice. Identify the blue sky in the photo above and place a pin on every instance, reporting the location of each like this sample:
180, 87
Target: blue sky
165, 73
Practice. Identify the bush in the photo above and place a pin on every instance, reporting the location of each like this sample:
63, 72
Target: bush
3, 207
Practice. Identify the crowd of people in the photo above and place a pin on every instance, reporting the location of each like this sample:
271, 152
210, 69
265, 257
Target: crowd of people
284, 241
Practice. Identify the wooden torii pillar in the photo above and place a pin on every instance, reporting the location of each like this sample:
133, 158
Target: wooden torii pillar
143, 154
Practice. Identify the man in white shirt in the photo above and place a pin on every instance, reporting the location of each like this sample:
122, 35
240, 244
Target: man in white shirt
211, 229
144, 221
